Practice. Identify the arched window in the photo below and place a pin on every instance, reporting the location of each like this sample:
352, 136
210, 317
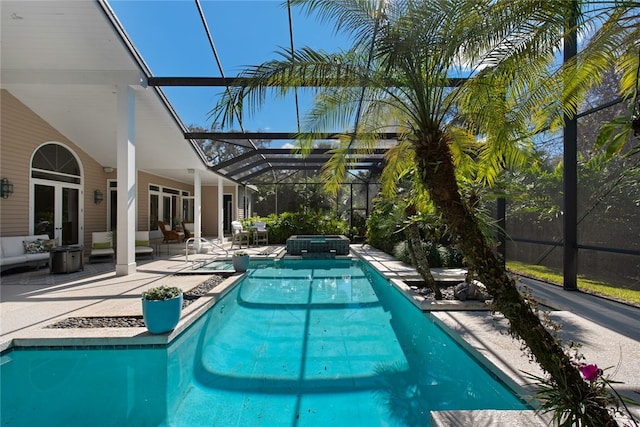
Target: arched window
56, 163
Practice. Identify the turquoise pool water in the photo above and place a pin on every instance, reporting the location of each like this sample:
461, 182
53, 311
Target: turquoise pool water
215, 265
295, 343
227, 265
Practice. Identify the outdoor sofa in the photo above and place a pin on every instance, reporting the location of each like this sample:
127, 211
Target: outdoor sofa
24, 251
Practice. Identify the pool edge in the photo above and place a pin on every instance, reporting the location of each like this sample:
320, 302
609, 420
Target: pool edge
133, 337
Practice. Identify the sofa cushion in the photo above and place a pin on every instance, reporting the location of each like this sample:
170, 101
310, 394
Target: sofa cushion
101, 245
142, 243
20, 259
12, 246
102, 252
40, 256
144, 250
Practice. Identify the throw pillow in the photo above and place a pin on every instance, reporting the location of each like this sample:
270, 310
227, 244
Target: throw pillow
102, 245
142, 243
34, 247
50, 244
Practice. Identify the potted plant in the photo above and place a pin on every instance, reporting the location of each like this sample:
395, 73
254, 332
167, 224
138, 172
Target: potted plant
161, 308
240, 261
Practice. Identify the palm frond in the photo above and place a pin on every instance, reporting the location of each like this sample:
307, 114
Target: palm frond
399, 159
356, 19
335, 169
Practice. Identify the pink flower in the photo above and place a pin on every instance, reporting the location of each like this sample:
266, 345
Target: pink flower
590, 372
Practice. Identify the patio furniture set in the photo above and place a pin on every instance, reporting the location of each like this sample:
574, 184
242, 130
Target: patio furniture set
256, 234
102, 245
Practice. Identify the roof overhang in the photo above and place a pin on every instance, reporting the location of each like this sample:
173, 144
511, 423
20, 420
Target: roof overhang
65, 59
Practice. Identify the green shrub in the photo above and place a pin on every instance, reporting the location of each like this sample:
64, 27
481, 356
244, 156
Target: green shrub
384, 226
401, 252
287, 224
385, 232
437, 255
433, 254
161, 293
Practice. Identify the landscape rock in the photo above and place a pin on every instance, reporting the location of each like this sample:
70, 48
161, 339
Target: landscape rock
134, 321
471, 291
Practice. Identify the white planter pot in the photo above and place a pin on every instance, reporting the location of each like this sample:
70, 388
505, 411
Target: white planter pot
240, 263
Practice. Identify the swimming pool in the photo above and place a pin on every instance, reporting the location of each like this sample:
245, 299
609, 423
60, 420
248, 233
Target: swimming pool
295, 343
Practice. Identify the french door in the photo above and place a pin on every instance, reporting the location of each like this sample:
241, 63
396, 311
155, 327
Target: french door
169, 205
228, 212
56, 211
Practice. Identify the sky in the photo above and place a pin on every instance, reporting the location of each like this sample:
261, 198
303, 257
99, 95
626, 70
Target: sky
172, 40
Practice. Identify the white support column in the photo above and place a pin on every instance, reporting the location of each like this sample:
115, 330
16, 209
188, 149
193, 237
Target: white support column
220, 209
197, 208
236, 208
126, 163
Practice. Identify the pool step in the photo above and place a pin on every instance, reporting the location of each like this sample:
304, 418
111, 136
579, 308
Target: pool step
318, 255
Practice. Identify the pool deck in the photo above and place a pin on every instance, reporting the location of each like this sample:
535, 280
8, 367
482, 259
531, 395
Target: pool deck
609, 332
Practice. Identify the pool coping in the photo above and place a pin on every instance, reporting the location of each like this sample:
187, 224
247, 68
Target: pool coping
130, 337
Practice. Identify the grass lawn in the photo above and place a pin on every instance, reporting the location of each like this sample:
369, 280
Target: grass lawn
586, 285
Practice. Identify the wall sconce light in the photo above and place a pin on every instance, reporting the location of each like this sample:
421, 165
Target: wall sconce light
97, 197
6, 189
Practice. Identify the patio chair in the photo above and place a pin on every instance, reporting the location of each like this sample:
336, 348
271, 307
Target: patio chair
168, 234
102, 245
187, 227
142, 244
239, 235
260, 233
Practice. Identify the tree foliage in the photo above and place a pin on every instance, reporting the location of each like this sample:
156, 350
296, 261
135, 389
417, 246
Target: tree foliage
398, 73
218, 151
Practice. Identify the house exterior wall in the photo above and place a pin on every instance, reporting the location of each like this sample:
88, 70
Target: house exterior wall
144, 180
210, 211
22, 132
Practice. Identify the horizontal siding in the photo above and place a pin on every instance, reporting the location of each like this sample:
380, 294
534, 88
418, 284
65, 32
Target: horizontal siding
19, 128
22, 133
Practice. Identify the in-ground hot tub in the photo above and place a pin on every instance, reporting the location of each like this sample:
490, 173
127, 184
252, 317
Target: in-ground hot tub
298, 244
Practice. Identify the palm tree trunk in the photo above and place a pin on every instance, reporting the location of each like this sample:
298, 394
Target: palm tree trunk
437, 173
418, 256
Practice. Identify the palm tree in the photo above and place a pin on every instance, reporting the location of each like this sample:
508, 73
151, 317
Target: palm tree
399, 74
